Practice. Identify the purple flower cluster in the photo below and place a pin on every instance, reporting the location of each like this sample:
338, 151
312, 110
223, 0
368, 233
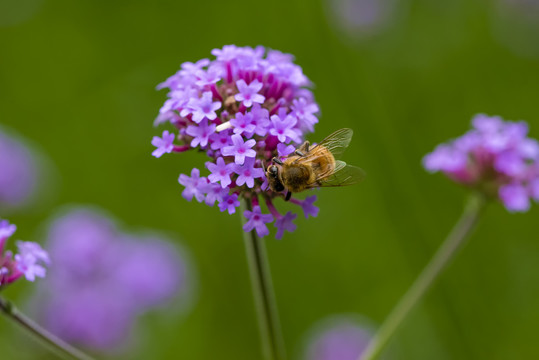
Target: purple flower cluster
28, 262
242, 109
337, 338
103, 279
18, 172
496, 157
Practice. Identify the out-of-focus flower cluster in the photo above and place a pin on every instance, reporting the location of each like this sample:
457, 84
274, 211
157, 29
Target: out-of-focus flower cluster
363, 18
515, 24
496, 157
18, 172
337, 338
28, 262
242, 109
103, 279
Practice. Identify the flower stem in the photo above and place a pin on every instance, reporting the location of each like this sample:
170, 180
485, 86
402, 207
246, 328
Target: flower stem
266, 308
446, 252
60, 347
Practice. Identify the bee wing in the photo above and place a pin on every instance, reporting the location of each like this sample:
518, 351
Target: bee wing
342, 175
337, 142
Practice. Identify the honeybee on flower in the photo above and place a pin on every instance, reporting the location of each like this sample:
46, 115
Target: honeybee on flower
248, 108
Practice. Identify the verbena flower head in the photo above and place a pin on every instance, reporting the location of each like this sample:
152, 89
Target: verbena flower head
29, 262
242, 108
103, 279
338, 338
496, 158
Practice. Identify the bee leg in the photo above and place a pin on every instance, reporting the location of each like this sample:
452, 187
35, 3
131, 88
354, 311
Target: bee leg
277, 161
304, 148
299, 153
288, 195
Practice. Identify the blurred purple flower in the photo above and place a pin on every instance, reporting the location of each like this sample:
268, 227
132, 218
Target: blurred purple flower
285, 223
224, 106
495, 157
361, 18
308, 206
29, 262
18, 172
337, 338
515, 24
103, 279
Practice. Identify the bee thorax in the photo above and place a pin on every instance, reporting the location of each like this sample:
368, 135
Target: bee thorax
296, 178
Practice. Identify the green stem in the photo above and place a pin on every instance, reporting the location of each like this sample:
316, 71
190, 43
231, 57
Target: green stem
266, 308
430, 273
60, 347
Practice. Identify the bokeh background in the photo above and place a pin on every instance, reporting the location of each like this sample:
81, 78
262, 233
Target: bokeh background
77, 80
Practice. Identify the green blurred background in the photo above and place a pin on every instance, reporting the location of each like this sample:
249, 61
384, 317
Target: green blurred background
78, 80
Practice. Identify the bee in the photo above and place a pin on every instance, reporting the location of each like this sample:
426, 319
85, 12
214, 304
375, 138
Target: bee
314, 166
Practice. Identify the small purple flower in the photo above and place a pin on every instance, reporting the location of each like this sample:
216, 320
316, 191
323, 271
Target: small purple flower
30, 259
229, 203
283, 128
515, 197
284, 150
260, 118
240, 149
243, 124
510, 163
220, 140
164, 144
247, 173
305, 112
194, 186
214, 193
220, 172
285, 223
204, 107
208, 77
6, 229
28, 262
248, 94
228, 53
257, 221
308, 206
496, 158
201, 133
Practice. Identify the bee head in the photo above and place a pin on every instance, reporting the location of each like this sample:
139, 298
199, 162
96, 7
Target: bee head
273, 171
